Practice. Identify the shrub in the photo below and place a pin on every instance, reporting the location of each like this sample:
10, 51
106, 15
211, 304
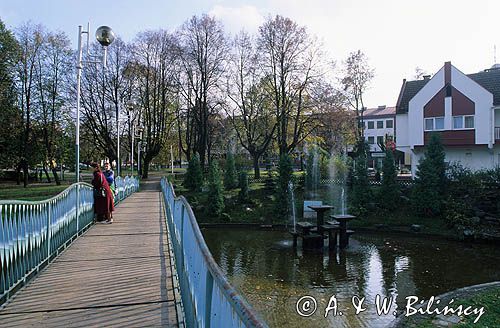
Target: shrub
269, 182
243, 184
230, 176
389, 190
310, 179
193, 180
430, 182
215, 199
282, 197
361, 192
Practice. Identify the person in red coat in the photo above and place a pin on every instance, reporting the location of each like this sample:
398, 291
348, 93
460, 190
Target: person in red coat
103, 204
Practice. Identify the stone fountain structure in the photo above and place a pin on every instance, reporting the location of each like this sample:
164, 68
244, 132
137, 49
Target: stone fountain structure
314, 234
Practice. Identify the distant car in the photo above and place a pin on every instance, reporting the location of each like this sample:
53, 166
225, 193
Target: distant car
371, 172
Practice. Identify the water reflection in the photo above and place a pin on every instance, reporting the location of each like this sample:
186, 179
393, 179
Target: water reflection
272, 276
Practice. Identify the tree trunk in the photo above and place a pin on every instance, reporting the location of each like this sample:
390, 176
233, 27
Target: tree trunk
256, 168
54, 173
24, 165
145, 168
46, 174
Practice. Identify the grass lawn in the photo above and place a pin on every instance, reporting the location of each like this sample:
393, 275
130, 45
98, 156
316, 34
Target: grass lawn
491, 302
34, 192
259, 208
489, 299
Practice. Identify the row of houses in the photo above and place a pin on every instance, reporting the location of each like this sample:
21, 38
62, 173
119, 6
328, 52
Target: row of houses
464, 109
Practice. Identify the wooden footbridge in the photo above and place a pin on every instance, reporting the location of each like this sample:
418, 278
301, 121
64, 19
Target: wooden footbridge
150, 268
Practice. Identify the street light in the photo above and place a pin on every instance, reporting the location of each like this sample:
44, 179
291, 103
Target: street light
105, 37
131, 108
140, 147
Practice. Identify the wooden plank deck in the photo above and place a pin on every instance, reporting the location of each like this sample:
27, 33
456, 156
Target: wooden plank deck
114, 275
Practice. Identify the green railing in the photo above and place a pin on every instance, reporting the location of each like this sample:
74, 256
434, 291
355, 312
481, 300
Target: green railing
33, 233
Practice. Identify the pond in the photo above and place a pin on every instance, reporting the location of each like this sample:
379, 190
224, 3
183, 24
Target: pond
263, 266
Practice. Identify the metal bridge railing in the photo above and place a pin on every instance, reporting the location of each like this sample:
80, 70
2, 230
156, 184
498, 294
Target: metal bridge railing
32, 233
208, 298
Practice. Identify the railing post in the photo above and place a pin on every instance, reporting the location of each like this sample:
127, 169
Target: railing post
181, 242
49, 210
77, 208
208, 298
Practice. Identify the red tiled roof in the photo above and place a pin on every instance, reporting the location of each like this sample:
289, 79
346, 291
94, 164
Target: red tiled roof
378, 111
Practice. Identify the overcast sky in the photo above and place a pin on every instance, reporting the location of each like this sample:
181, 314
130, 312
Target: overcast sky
397, 36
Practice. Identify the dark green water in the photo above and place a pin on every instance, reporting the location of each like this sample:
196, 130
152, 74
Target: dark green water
272, 277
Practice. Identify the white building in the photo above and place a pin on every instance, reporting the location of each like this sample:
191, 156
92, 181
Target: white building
463, 109
378, 126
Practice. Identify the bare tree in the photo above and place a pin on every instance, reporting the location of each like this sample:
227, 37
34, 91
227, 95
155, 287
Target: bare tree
357, 75
30, 38
153, 63
291, 62
104, 94
118, 85
203, 51
52, 68
250, 109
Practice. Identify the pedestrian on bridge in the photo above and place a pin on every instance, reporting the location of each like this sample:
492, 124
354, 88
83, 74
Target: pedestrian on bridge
103, 196
110, 177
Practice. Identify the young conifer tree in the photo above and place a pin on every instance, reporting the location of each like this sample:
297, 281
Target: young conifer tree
193, 180
230, 176
430, 180
215, 205
389, 191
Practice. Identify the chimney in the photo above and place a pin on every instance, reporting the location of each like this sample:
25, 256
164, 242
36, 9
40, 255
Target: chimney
426, 77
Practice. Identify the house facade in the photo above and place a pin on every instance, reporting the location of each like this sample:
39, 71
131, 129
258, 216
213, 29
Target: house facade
463, 109
378, 126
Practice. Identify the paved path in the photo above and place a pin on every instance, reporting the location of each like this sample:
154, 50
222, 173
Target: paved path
114, 275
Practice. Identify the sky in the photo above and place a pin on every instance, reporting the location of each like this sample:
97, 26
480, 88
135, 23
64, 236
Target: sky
396, 35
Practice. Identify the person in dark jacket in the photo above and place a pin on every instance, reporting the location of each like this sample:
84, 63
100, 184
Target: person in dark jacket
110, 177
103, 197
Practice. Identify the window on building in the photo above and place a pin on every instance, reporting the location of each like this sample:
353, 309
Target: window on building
371, 125
463, 122
380, 124
469, 122
388, 124
380, 140
371, 140
458, 122
434, 123
429, 124
439, 123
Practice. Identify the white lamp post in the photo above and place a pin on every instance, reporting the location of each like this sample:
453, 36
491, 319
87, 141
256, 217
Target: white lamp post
133, 107
105, 37
140, 128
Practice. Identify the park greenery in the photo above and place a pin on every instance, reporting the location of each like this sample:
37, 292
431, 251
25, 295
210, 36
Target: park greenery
180, 93
466, 207
273, 98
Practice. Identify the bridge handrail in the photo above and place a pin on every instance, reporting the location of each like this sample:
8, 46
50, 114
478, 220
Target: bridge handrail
209, 299
32, 233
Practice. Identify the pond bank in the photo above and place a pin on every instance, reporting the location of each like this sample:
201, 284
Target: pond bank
486, 296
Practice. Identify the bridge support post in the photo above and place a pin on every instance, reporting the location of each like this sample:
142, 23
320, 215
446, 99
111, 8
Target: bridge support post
49, 214
208, 298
